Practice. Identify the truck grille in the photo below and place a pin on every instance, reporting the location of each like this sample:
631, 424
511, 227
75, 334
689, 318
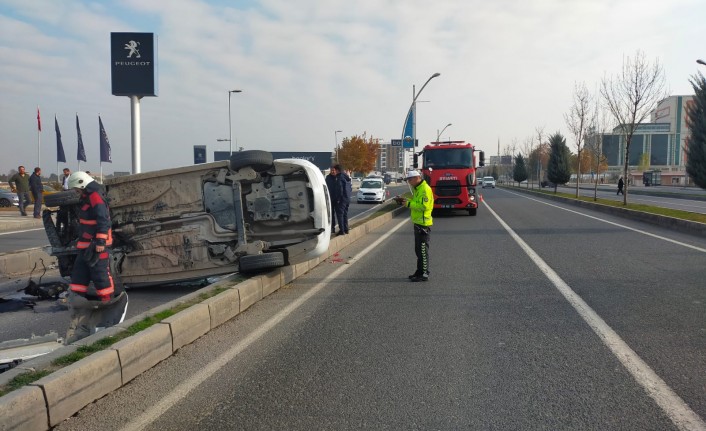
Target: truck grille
448, 188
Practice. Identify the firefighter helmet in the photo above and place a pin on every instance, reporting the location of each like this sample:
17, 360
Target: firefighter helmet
79, 180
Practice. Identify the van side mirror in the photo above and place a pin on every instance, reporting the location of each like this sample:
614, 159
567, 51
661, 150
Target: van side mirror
481, 158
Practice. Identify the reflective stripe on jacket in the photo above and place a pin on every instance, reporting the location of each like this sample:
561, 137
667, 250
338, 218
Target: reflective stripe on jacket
94, 217
421, 204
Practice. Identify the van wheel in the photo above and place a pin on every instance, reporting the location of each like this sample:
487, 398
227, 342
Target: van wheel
260, 262
259, 160
67, 197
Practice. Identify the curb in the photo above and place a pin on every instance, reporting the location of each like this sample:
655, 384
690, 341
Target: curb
23, 261
52, 399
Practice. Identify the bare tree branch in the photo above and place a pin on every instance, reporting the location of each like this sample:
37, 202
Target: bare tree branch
577, 120
630, 96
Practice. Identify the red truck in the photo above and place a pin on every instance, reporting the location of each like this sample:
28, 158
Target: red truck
450, 169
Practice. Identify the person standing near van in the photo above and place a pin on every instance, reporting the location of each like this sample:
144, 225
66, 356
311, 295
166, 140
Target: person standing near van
65, 179
36, 187
334, 184
96, 301
421, 206
347, 188
19, 183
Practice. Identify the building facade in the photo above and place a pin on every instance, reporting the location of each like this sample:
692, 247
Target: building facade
656, 146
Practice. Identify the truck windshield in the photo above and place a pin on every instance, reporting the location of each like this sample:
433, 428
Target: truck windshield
458, 158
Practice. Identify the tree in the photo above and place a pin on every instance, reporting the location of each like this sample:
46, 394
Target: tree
630, 96
696, 146
594, 144
558, 169
519, 173
359, 153
578, 120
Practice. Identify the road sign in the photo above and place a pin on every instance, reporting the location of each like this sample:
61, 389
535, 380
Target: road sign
395, 142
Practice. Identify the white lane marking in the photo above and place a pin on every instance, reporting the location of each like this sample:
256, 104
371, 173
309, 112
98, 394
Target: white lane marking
188, 385
672, 405
683, 244
21, 231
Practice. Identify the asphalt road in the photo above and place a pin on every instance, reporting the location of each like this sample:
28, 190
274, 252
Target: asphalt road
537, 316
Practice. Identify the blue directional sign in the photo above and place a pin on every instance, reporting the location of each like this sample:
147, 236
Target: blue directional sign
199, 154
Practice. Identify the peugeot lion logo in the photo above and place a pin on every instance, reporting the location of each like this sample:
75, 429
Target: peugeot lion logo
132, 46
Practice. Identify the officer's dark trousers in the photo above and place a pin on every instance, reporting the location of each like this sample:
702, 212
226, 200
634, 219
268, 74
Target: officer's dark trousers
422, 237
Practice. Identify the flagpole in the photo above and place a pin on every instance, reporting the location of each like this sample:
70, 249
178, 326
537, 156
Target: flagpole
39, 139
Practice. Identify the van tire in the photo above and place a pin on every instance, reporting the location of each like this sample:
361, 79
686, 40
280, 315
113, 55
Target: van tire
259, 160
67, 197
260, 262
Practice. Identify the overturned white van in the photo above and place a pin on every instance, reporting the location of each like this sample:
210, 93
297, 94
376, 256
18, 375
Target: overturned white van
248, 214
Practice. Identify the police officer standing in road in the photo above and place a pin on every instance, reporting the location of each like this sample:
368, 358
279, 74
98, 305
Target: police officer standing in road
96, 301
421, 206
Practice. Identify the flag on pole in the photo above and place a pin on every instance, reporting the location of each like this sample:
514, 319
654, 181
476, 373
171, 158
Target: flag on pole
81, 153
39, 120
60, 156
408, 130
105, 144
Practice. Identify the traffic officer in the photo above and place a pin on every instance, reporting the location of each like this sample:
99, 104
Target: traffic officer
95, 300
421, 206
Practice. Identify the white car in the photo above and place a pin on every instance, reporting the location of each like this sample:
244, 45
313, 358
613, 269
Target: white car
248, 214
488, 182
372, 190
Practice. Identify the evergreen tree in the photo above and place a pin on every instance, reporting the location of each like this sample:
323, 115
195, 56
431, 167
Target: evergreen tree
559, 168
519, 173
696, 147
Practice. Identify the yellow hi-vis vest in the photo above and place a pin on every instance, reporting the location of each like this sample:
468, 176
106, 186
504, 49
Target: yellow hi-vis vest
421, 204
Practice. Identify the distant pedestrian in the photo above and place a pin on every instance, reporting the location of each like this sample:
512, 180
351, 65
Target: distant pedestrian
421, 206
335, 191
65, 179
19, 183
621, 184
36, 187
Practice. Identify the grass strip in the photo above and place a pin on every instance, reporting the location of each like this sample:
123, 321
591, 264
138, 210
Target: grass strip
669, 212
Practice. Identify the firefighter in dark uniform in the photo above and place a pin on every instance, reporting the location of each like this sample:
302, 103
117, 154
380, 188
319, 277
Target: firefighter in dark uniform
96, 302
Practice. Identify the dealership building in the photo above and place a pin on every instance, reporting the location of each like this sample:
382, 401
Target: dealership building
663, 140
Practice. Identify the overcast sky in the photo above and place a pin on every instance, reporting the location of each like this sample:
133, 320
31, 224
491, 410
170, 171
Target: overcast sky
308, 68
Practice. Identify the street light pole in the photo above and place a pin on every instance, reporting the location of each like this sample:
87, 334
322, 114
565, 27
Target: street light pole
230, 127
413, 109
438, 134
335, 137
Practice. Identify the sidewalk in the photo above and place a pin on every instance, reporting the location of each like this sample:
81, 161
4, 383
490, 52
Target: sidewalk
11, 220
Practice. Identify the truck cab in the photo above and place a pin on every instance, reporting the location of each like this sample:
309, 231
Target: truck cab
450, 170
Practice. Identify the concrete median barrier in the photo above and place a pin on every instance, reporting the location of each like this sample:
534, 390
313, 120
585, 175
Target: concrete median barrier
69, 389
23, 261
